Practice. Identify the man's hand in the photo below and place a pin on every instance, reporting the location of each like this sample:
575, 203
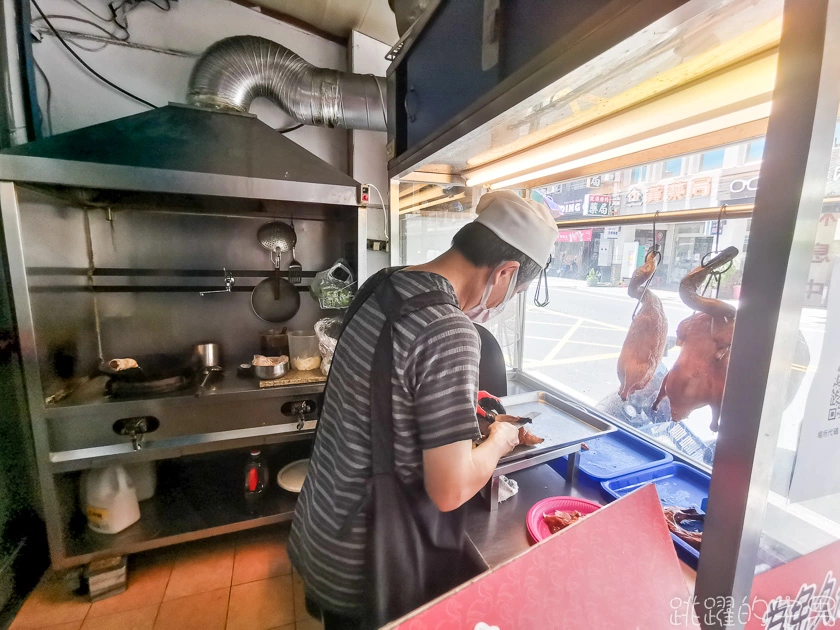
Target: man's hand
504, 434
455, 472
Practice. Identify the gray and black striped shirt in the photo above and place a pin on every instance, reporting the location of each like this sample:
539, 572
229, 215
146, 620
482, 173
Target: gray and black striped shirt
434, 385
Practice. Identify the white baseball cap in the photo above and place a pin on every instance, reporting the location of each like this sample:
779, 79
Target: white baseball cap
524, 224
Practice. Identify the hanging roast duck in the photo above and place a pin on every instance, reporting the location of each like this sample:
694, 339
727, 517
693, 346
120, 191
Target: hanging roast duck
645, 342
699, 374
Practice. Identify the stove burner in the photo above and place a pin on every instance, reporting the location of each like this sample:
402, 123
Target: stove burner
123, 389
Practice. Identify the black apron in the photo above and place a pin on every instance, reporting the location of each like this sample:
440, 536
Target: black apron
415, 552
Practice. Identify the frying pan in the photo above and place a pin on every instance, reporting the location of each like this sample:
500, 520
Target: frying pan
275, 300
153, 367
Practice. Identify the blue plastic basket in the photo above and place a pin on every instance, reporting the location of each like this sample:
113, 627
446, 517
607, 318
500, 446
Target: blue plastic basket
615, 455
677, 485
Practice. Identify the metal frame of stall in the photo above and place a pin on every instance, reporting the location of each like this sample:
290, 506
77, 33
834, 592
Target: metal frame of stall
784, 220
15, 170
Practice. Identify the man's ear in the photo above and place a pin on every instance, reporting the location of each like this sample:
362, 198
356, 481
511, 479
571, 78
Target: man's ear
505, 270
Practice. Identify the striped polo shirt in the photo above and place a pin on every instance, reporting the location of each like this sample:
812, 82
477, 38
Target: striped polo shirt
434, 389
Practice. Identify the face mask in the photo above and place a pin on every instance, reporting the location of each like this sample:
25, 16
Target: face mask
480, 313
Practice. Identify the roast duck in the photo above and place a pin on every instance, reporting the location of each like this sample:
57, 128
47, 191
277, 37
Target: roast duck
645, 342
699, 374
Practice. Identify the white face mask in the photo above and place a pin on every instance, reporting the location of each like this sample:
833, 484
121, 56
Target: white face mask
480, 313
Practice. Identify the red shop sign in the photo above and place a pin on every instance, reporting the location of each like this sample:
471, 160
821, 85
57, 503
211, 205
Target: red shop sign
801, 595
616, 569
574, 236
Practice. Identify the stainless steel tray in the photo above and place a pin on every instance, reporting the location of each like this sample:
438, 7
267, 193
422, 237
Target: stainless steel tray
561, 423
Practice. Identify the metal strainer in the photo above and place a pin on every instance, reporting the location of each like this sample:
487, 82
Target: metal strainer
277, 237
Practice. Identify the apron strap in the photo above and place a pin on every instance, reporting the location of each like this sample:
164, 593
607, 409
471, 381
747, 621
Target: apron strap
381, 411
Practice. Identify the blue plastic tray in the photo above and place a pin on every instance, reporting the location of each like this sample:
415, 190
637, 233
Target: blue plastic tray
615, 455
677, 484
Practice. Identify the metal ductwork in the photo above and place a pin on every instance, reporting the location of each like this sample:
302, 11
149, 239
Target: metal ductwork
234, 71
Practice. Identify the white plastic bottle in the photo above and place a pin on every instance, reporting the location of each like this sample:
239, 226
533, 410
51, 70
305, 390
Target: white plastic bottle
110, 500
144, 477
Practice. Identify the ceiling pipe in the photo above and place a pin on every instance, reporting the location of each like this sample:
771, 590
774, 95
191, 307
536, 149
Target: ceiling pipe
234, 71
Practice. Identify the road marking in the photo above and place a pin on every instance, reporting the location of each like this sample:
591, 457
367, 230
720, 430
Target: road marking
560, 344
582, 343
591, 357
582, 327
583, 319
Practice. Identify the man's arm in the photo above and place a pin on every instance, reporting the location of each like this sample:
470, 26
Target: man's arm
454, 473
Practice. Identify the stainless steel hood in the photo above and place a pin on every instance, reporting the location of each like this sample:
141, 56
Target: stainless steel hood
183, 150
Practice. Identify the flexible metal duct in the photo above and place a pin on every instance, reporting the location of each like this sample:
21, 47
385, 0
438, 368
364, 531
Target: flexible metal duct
234, 71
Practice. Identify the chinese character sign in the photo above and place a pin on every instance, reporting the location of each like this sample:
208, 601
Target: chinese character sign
817, 470
800, 595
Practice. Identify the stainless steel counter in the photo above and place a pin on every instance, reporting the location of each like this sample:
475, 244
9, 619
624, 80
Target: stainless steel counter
501, 534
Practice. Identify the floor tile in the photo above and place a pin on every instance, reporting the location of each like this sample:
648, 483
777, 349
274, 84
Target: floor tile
300, 598
309, 624
135, 619
52, 603
200, 570
207, 611
260, 559
146, 586
261, 605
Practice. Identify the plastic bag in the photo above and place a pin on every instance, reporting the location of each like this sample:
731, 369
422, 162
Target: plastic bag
326, 330
334, 287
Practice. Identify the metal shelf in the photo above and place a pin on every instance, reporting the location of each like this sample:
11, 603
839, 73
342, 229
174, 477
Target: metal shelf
195, 499
90, 396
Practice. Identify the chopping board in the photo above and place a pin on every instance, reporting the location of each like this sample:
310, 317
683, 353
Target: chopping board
296, 377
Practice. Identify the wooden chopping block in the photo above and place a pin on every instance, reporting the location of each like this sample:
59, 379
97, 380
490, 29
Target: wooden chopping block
295, 377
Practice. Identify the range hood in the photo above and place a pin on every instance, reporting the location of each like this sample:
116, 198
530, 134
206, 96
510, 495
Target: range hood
182, 149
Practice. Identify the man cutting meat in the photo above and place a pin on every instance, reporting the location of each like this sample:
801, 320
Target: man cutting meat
408, 361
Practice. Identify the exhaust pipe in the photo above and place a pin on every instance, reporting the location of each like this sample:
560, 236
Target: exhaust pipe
234, 71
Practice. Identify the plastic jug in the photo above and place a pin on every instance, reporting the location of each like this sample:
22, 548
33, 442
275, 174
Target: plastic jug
144, 477
110, 500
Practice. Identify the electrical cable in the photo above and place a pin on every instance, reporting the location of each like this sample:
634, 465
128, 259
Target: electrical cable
384, 213
49, 96
82, 61
91, 11
289, 129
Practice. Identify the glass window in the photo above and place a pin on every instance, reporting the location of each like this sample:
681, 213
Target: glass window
638, 174
673, 167
755, 150
803, 509
575, 344
711, 160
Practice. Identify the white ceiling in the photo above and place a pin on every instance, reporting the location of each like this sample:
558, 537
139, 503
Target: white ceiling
374, 18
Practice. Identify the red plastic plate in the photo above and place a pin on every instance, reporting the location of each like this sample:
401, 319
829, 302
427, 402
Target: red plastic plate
536, 525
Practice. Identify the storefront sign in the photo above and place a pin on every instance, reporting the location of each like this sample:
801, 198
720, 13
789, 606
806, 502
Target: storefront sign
738, 184
676, 191
612, 586
701, 187
817, 470
655, 194
574, 236
801, 595
634, 197
596, 205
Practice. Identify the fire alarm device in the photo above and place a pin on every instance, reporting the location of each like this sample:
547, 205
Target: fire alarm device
364, 195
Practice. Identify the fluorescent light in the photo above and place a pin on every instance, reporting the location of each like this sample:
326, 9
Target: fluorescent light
738, 87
